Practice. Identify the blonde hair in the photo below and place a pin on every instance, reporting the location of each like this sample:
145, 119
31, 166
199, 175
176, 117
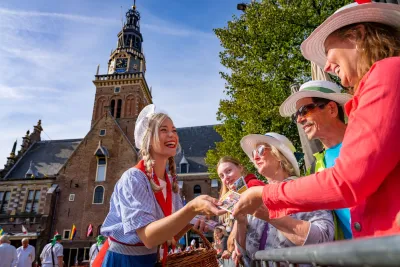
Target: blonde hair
224, 189
152, 137
234, 161
379, 41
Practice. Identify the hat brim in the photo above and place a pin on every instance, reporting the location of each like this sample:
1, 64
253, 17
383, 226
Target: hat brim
249, 143
313, 47
288, 106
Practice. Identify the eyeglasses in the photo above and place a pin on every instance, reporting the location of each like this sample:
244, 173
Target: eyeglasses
260, 150
306, 109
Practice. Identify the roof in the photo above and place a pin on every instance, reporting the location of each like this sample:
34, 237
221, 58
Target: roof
195, 142
47, 157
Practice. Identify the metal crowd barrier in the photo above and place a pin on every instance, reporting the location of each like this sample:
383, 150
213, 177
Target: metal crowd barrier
379, 252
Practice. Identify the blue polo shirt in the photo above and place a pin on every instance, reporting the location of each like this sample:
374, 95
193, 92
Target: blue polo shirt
331, 154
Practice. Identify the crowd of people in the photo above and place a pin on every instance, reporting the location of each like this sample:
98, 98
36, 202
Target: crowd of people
350, 191
345, 190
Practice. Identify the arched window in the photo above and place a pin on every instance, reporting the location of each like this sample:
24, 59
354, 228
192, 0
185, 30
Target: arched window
197, 190
112, 106
98, 196
119, 106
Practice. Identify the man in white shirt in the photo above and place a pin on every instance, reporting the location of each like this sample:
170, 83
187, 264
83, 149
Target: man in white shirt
8, 253
52, 253
25, 254
95, 248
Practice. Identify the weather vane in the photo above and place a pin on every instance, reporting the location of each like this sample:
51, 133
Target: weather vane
134, 4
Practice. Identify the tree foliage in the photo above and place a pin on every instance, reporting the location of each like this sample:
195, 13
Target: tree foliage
263, 59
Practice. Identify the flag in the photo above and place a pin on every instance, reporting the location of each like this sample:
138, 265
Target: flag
89, 230
73, 232
24, 230
56, 232
1, 231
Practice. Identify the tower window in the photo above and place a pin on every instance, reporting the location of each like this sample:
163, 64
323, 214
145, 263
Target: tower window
117, 89
98, 195
102, 132
197, 190
112, 107
119, 106
101, 169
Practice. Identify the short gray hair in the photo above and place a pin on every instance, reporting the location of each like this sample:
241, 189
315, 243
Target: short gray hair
5, 239
25, 239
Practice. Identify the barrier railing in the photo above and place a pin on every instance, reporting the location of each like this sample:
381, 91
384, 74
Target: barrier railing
382, 252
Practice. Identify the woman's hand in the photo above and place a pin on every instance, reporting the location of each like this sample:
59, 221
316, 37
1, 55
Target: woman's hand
226, 255
262, 213
249, 201
237, 257
206, 205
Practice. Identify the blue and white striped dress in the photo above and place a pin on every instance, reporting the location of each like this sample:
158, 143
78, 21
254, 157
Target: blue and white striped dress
132, 206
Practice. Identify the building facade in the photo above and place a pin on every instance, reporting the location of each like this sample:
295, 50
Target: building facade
51, 186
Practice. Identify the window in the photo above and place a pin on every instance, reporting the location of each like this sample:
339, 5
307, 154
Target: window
184, 168
214, 183
4, 199
117, 89
71, 197
102, 132
98, 196
66, 234
99, 230
112, 107
119, 106
197, 190
32, 202
101, 169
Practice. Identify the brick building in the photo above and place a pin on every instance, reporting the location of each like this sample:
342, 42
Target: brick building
52, 185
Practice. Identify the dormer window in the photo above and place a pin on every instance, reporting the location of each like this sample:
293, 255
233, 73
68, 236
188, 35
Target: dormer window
184, 164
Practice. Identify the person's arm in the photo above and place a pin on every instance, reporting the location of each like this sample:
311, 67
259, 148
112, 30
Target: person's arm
370, 151
60, 261
161, 230
34, 254
241, 230
15, 258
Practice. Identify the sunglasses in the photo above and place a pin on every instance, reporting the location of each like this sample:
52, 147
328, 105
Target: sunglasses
306, 109
260, 150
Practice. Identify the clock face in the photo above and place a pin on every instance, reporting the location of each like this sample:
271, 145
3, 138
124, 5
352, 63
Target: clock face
121, 64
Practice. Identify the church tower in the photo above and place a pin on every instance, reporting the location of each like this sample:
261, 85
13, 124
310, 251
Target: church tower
123, 91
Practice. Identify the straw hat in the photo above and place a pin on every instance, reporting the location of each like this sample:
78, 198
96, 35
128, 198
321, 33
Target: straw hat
249, 142
313, 47
321, 89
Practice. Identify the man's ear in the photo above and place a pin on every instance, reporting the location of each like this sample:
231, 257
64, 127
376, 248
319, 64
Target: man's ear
333, 109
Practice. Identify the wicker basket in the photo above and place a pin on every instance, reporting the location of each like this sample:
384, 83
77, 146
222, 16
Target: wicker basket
204, 257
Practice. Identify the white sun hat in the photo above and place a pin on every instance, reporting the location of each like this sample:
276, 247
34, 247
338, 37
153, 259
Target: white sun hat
142, 124
313, 47
249, 143
321, 89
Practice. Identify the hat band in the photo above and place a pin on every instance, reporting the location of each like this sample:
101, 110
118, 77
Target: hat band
319, 89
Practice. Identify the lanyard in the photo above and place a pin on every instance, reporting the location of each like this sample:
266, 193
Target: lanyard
263, 239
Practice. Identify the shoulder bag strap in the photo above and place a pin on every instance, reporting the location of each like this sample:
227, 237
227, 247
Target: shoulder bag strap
52, 255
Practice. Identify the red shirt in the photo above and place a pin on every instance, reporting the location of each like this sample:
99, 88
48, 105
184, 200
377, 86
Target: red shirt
366, 176
251, 180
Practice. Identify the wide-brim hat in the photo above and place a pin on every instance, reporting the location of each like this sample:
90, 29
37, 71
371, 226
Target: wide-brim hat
321, 89
313, 47
280, 142
223, 229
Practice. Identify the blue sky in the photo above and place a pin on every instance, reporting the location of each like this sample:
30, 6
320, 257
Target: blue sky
49, 51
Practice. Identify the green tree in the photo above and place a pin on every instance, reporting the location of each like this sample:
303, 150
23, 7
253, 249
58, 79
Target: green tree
263, 59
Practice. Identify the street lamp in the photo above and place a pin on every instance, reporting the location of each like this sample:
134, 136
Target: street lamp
241, 6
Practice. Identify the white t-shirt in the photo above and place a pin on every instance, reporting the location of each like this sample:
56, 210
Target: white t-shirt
8, 255
46, 254
26, 256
